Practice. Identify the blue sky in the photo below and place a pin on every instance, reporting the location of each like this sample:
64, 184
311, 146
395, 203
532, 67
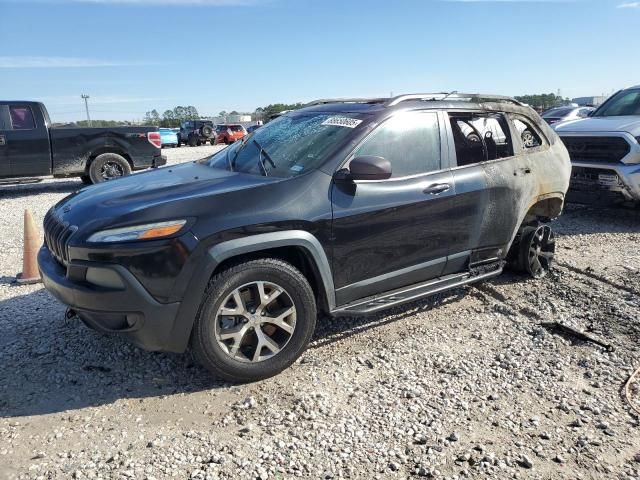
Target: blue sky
134, 55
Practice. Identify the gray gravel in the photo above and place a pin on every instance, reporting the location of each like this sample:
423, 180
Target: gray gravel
465, 385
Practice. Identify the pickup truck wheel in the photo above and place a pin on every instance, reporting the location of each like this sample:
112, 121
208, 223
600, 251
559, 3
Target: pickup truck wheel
255, 320
108, 166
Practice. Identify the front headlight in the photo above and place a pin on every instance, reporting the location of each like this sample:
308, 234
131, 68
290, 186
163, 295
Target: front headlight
148, 231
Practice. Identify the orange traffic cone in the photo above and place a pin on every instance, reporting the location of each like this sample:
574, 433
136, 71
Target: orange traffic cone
32, 241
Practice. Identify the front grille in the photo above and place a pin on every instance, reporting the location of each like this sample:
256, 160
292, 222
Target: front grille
56, 235
597, 149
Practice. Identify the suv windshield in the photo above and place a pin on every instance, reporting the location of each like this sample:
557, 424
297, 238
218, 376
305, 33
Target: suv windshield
626, 102
288, 146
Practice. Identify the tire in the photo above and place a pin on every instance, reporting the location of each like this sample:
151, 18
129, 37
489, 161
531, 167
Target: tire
219, 358
193, 141
533, 251
86, 179
178, 144
108, 166
206, 131
213, 141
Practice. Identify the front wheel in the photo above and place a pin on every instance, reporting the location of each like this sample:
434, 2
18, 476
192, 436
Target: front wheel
255, 320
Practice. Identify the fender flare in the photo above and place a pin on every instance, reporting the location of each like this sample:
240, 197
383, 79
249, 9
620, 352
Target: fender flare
217, 254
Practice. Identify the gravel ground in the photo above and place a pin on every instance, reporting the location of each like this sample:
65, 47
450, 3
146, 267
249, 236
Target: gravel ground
464, 385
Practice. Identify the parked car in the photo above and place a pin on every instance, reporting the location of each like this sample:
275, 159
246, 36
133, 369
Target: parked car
605, 150
197, 132
229, 132
30, 148
168, 137
560, 114
344, 207
253, 128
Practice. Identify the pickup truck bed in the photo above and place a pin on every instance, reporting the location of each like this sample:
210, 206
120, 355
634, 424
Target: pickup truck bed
29, 147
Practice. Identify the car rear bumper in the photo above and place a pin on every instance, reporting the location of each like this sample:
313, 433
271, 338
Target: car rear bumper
128, 310
159, 160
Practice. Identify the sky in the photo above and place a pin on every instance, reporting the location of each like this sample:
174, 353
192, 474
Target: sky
131, 56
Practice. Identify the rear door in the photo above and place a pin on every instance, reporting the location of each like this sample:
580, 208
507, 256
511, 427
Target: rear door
392, 233
27, 142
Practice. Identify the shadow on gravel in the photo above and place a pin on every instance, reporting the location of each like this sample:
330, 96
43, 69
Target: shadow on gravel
24, 190
52, 365
585, 220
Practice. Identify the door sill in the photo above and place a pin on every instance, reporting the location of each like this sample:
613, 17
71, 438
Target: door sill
383, 301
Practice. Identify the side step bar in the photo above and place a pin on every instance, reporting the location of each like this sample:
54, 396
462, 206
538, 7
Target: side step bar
386, 300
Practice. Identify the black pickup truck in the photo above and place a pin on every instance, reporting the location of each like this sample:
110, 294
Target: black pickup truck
30, 148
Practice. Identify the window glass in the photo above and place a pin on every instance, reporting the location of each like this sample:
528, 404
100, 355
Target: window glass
236, 128
410, 141
289, 145
530, 138
480, 137
626, 102
5, 122
22, 118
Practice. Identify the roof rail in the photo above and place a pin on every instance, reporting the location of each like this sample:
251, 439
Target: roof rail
472, 97
323, 101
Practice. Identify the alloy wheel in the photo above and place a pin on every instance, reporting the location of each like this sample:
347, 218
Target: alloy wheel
111, 170
255, 322
541, 246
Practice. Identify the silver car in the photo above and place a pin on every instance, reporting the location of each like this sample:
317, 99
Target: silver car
560, 114
605, 149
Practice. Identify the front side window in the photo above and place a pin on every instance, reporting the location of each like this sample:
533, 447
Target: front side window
289, 145
22, 118
410, 141
626, 102
480, 136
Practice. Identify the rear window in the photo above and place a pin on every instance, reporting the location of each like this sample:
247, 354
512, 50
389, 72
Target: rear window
236, 128
557, 112
22, 118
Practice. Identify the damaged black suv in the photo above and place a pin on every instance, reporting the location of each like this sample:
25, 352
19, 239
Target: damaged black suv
345, 207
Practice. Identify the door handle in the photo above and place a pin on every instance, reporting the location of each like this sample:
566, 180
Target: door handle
437, 188
3, 140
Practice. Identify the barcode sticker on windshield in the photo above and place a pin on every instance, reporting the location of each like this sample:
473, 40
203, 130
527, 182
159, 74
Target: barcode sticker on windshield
342, 122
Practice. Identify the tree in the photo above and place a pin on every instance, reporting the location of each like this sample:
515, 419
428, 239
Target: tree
543, 101
152, 118
265, 112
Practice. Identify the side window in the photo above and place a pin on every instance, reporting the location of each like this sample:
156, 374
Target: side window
528, 134
22, 118
480, 137
410, 141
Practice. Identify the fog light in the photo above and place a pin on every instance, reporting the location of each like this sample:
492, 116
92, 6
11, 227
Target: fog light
104, 277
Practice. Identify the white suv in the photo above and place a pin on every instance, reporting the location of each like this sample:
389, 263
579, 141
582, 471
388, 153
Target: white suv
605, 149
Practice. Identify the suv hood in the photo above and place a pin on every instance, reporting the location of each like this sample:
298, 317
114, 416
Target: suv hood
629, 124
160, 194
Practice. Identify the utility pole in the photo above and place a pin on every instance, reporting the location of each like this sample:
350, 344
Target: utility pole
86, 106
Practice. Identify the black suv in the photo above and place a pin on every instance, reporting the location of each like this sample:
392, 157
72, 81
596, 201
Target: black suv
196, 132
343, 207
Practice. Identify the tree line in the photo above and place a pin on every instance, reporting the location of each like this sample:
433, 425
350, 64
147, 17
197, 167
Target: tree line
171, 118
543, 101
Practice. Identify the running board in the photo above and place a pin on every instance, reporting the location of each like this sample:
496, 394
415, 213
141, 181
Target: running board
374, 304
20, 180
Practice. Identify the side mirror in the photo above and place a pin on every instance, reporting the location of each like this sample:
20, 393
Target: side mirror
369, 167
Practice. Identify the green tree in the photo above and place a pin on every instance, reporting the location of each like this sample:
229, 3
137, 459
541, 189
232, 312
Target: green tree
152, 118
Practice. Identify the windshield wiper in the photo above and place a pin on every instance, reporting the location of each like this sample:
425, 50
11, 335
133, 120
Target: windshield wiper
266, 155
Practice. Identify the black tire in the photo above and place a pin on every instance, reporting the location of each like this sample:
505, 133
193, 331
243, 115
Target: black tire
534, 250
108, 166
178, 144
213, 141
193, 141
86, 179
206, 131
206, 348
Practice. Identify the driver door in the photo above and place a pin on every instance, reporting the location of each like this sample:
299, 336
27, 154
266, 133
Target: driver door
392, 233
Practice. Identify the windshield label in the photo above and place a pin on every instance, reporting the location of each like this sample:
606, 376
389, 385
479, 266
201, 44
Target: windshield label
342, 122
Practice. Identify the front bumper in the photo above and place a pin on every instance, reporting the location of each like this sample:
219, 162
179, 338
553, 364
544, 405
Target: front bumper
128, 310
607, 180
